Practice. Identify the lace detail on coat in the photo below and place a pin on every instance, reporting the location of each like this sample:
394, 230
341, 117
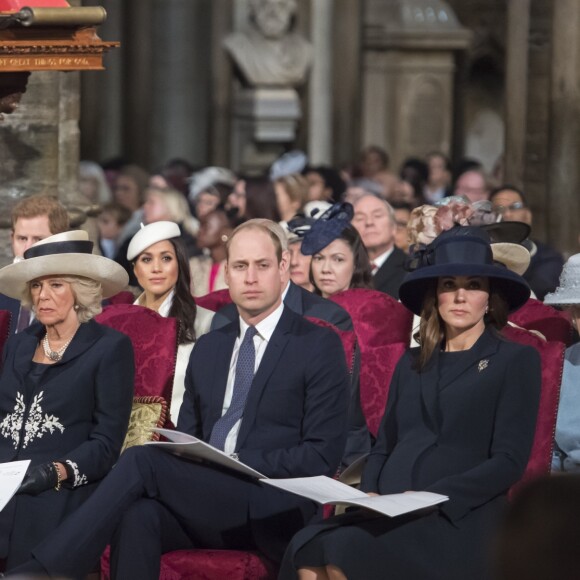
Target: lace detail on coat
80, 478
37, 423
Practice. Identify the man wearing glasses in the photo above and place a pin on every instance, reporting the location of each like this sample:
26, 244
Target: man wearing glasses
546, 265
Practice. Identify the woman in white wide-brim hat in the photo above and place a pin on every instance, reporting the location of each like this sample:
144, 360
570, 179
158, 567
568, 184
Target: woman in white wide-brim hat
161, 266
66, 387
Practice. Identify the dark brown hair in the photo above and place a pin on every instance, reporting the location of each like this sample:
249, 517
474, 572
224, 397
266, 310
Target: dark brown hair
431, 333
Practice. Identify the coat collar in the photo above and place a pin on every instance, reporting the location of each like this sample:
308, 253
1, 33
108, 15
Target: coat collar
87, 334
486, 346
293, 299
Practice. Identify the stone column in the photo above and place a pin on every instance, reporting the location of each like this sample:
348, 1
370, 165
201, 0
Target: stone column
101, 92
516, 90
320, 86
564, 151
180, 85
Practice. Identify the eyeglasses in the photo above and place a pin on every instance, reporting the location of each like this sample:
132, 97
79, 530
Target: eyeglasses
514, 206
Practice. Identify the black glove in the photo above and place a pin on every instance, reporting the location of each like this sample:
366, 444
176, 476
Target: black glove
39, 479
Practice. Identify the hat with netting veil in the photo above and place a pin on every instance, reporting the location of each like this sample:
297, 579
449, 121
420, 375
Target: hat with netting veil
460, 251
65, 254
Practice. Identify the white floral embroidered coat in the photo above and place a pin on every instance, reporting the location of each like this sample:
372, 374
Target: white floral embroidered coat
77, 415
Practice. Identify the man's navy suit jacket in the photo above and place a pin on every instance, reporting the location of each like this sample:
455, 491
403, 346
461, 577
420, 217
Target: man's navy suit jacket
390, 275
300, 301
294, 423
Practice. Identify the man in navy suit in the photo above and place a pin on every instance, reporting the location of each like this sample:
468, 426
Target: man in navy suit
293, 424
375, 221
33, 219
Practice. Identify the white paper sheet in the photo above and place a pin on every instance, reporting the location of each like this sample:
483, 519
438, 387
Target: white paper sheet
11, 476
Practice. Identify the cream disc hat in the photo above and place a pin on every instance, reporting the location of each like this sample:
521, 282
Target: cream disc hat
151, 234
568, 292
65, 254
513, 256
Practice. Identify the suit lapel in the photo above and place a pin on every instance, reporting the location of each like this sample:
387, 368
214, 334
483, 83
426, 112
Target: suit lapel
429, 378
270, 359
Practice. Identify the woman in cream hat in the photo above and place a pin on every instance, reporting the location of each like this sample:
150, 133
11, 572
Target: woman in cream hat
161, 266
66, 387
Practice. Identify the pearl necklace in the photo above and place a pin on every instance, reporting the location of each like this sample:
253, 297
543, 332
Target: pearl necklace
54, 355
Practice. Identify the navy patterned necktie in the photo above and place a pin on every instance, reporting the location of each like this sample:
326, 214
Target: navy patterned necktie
242, 383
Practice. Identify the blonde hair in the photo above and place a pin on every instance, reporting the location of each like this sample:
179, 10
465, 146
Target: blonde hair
177, 208
87, 293
296, 186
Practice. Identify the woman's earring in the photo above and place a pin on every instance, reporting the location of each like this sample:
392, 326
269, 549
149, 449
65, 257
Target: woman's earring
224, 238
76, 306
487, 309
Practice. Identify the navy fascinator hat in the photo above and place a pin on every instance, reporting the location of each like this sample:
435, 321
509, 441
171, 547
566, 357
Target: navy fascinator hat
460, 251
327, 228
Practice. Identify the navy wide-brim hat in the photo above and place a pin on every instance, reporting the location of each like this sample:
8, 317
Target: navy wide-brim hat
327, 228
460, 251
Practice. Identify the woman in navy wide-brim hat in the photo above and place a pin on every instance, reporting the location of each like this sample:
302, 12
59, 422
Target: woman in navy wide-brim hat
459, 421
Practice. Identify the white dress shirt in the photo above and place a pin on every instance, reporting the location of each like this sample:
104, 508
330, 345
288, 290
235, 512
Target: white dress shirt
265, 330
380, 260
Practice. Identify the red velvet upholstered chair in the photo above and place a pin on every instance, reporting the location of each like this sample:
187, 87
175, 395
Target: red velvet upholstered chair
383, 329
124, 297
4, 328
154, 341
214, 300
552, 357
202, 564
553, 324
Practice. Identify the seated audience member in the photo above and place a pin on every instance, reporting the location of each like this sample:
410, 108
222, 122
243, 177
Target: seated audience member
363, 186
66, 387
298, 300
538, 537
271, 388
375, 221
93, 183
208, 271
567, 439
33, 219
291, 195
547, 263
464, 379
415, 172
129, 191
209, 189
110, 223
176, 173
374, 165
339, 258
324, 184
253, 197
162, 269
473, 185
402, 213
297, 229
438, 183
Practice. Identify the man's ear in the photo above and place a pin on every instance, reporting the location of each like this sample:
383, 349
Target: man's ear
285, 261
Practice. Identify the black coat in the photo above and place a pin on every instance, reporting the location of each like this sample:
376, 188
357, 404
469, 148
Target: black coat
389, 276
467, 435
78, 415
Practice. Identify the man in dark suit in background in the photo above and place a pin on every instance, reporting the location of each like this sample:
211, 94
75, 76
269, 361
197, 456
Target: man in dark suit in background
287, 420
33, 219
375, 221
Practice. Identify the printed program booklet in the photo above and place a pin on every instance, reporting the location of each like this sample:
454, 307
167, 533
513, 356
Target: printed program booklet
11, 476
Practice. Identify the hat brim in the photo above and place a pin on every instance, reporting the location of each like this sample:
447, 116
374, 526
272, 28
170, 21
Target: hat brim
112, 276
513, 287
514, 257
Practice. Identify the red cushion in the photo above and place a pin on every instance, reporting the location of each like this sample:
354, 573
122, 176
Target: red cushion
214, 300
383, 329
552, 323
208, 565
347, 337
552, 357
124, 297
154, 341
5, 317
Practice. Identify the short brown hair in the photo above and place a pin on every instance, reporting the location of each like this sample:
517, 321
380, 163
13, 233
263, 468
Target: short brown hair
270, 228
295, 186
39, 205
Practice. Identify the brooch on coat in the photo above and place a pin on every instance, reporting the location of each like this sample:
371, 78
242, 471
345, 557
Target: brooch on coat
482, 364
